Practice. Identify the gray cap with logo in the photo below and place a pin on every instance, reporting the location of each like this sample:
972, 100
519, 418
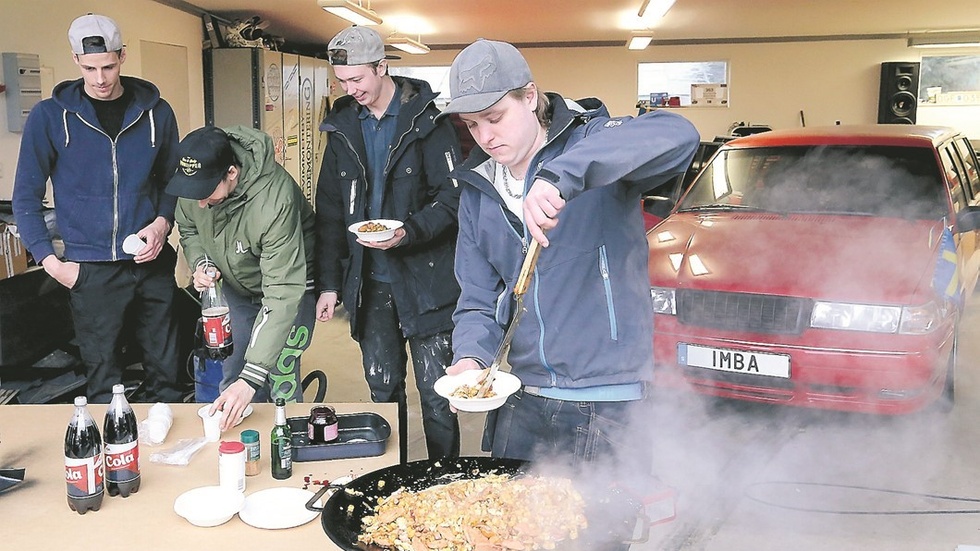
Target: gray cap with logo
483, 73
357, 46
94, 26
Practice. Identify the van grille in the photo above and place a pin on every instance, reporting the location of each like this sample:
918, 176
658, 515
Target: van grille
743, 312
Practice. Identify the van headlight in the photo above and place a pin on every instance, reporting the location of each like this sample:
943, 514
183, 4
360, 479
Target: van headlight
913, 320
663, 300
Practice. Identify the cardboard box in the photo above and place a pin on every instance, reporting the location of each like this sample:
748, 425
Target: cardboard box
12, 251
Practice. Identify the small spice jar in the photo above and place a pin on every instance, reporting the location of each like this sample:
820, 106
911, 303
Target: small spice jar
231, 465
250, 438
322, 425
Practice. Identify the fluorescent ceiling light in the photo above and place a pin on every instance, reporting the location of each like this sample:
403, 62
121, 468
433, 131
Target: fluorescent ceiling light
639, 41
654, 9
955, 39
351, 11
408, 45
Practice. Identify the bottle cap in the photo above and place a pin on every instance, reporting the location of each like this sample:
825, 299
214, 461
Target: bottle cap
81, 401
280, 401
250, 436
231, 447
118, 389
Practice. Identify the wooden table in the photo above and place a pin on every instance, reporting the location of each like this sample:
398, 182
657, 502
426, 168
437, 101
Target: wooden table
35, 514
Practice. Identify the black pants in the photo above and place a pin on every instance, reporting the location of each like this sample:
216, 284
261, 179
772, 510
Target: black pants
385, 369
105, 297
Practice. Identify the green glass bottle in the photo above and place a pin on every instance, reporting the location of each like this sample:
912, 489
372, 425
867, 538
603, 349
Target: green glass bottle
282, 451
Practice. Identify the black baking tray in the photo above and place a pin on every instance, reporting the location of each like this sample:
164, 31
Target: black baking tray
358, 435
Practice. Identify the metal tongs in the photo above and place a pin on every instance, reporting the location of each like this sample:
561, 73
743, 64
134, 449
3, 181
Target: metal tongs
520, 288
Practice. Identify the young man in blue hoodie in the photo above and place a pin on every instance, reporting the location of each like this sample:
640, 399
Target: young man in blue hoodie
569, 176
107, 143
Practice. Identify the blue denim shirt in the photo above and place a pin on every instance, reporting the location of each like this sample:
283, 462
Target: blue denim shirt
378, 138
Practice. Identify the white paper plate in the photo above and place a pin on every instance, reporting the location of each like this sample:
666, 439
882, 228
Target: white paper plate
208, 505
276, 508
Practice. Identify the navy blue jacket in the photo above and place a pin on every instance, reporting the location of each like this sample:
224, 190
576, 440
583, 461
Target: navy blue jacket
105, 187
417, 191
588, 317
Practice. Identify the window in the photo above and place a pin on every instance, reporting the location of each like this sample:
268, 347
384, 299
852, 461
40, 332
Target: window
436, 76
950, 80
675, 78
968, 156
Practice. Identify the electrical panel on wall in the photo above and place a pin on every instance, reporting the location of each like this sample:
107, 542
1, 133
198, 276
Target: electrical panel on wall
22, 76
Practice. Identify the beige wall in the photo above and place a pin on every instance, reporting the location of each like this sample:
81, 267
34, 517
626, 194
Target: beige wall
769, 83
41, 27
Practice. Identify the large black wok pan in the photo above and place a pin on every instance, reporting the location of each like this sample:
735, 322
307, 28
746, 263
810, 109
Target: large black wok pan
612, 513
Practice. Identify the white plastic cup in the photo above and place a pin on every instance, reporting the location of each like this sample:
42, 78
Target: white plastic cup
133, 244
212, 423
156, 429
163, 411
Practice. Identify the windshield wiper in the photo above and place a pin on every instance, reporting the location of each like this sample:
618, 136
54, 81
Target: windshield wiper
724, 208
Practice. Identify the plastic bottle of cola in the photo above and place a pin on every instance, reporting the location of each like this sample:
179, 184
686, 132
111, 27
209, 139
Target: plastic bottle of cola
122, 451
216, 321
83, 460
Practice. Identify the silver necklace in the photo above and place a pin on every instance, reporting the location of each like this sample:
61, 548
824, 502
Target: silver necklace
505, 171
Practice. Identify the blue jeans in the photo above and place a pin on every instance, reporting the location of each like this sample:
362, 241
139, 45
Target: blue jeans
285, 379
601, 444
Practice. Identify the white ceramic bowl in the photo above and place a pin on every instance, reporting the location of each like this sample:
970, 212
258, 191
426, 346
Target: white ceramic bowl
392, 225
504, 384
209, 505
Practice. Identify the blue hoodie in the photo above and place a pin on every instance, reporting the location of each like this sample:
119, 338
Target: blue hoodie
588, 319
105, 188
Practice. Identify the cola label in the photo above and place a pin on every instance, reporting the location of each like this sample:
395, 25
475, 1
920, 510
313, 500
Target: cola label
122, 462
84, 476
217, 327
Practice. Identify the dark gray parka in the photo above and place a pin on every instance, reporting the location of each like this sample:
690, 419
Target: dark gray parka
418, 191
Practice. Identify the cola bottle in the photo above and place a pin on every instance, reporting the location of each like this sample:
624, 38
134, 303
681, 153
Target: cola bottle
83, 460
122, 451
216, 321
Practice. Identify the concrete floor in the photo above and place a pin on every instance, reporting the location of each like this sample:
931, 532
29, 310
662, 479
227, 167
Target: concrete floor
751, 477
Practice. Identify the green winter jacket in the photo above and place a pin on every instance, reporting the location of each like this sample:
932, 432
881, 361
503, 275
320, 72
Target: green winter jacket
261, 238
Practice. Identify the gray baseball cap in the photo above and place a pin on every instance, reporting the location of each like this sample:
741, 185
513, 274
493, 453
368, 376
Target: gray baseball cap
483, 73
357, 46
94, 26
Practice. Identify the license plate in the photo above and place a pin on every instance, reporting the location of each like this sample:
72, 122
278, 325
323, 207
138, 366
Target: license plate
733, 361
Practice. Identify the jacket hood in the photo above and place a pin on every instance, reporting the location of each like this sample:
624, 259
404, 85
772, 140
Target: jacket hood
257, 154
839, 258
70, 94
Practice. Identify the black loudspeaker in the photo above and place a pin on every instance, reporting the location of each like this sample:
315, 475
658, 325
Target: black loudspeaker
898, 98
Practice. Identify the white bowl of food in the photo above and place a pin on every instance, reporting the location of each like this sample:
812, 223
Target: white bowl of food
209, 505
460, 390
375, 230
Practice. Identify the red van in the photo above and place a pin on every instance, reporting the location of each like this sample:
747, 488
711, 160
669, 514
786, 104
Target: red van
820, 267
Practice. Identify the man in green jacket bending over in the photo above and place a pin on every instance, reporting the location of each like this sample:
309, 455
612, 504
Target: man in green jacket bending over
241, 214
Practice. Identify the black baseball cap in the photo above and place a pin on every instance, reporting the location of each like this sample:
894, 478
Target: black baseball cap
204, 158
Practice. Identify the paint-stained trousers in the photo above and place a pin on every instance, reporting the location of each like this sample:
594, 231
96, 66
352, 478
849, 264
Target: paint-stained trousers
285, 379
385, 368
